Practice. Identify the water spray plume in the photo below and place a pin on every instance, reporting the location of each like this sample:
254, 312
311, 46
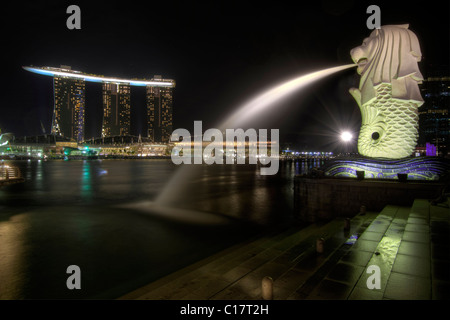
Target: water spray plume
263, 101
245, 113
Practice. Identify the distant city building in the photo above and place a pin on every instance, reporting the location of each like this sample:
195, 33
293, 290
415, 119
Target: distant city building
116, 109
58, 147
69, 107
434, 114
69, 110
159, 112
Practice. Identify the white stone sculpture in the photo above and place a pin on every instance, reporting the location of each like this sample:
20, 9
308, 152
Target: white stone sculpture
388, 94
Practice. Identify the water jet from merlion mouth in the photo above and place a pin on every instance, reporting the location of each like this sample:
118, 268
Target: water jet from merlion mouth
240, 118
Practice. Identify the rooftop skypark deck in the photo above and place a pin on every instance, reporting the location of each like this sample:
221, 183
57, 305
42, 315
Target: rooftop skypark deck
67, 72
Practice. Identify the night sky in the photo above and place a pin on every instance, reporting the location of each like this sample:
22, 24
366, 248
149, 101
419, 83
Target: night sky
221, 54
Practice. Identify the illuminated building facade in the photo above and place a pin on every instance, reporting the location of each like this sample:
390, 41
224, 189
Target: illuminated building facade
116, 109
69, 111
434, 115
159, 112
69, 107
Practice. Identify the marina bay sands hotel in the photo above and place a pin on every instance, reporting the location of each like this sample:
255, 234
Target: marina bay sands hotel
69, 103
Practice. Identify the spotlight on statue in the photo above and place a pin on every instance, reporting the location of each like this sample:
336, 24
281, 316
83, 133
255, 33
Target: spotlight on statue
346, 136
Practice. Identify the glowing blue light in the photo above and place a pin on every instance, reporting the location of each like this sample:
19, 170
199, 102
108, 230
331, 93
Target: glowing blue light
353, 238
420, 168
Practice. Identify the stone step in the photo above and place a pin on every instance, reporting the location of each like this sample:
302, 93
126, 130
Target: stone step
395, 239
398, 242
269, 255
218, 263
338, 275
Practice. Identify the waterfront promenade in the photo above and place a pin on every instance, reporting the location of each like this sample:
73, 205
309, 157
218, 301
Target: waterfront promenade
410, 245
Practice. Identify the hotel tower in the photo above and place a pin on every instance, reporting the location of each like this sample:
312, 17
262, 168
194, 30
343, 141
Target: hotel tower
70, 107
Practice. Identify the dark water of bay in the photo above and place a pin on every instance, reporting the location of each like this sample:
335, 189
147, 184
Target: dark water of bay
100, 215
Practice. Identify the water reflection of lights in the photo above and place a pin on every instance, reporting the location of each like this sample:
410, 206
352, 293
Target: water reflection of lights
353, 238
86, 182
13, 263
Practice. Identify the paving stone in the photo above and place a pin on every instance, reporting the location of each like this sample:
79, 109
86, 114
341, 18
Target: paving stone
412, 265
406, 287
421, 250
295, 296
235, 273
291, 280
347, 273
270, 269
330, 290
416, 237
365, 245
395, 233
311, 263
231, 294
419, 215
357, 257
399, 222
377, 228
359, 293
210, 288
385, 270
417, 221
373, 236
417, 227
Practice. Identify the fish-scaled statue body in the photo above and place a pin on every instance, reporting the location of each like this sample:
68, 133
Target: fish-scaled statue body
388, 94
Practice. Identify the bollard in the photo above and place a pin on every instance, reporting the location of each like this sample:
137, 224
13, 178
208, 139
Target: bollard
347, 224
362, 210
267, 288
319, 245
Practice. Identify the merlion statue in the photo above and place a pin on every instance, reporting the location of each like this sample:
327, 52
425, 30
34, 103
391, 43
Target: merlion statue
388, 94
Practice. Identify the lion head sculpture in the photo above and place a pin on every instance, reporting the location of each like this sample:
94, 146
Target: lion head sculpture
388, 94
389, 55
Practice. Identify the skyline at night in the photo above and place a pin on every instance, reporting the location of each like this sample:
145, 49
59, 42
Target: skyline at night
220, 55
209, 153
70, 105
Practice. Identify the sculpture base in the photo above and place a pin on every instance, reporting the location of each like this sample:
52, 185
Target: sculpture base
418, 168
323, 198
